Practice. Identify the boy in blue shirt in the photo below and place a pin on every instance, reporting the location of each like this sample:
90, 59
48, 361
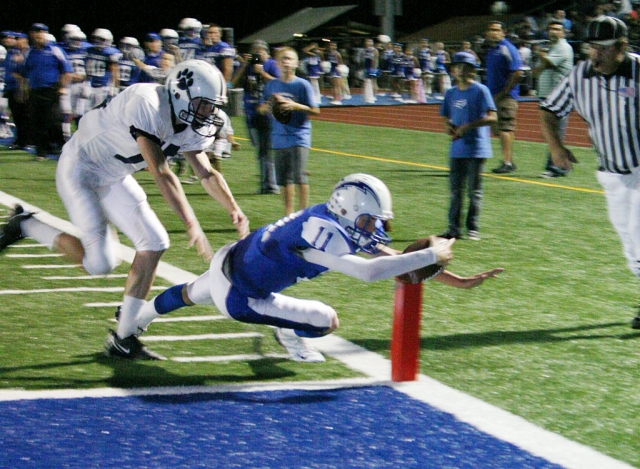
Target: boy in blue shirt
291, 141
468, 110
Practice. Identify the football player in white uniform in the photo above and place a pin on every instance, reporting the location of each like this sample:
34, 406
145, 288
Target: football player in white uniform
136, 129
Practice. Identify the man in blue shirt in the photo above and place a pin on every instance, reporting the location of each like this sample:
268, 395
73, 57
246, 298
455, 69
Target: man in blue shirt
46, 76
17, 46
504, 73
468, 110
291, 140
257, 69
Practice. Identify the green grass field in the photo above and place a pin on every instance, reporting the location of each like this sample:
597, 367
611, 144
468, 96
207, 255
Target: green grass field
549, 340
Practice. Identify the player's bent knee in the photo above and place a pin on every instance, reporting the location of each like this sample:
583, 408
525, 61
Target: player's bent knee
100, 265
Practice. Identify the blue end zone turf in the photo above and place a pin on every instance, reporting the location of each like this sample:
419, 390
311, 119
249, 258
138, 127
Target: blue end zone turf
372, 427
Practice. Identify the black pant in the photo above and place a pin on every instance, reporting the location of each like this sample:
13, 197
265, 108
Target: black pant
20, 113
46, 120
465, 172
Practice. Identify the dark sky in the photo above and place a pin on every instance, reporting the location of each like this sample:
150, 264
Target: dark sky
137, 17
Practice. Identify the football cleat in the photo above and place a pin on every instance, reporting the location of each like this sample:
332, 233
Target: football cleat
635, 323
129, 348
11, 231
298, 348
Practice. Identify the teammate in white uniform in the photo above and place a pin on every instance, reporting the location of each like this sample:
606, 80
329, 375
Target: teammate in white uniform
136, 129
245, 277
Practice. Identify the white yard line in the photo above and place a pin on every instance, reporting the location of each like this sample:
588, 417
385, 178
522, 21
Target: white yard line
181, 319
466, 408
52, 266
229, 358
69, 289
32, 256
113, 304
23, 246
83, 277
182, 338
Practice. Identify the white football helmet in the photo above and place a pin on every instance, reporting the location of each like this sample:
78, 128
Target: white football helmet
101, 37
76, 38
191, 27
3, 53
127, 42
68, 29
169, 36
355, 201
196, 90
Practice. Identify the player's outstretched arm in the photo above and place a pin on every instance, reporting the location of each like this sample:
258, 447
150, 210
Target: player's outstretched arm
379, 268
216, 186
454, 280
170, 188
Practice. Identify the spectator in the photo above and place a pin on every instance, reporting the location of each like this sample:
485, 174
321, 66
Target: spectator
46, 76
257, 69
17, 46
561, 16
468, 110
291, 141
411, 77
553, 64
442, 60
397, 72
371, 65
466, 47
504, 72
152, 53
386, 64
335, 59
313, 58
219, 53
424, 58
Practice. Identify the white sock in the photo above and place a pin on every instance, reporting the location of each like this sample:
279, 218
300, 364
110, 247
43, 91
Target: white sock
146, 316
66, 129
41, 232
128, 322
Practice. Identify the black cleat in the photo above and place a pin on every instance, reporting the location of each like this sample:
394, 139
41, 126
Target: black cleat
11, 231
129, 348
635, 322
505, 168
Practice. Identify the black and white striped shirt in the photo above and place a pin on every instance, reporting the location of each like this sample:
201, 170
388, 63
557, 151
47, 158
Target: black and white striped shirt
610, 105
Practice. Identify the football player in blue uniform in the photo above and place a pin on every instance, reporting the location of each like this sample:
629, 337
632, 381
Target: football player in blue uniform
102, 67
73, 104
129, 71
245, 277
219, 53
190, 43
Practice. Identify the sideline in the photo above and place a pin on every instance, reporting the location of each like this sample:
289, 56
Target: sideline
377, 369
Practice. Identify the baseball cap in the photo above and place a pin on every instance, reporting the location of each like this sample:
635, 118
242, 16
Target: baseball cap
5, 34
465, 58
39, 27
606, 30
152, 37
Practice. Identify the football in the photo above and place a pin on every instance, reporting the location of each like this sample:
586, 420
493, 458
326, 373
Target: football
425, 273
279, 114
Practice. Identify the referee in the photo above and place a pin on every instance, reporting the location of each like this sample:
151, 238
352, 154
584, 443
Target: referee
46, 74
605, 91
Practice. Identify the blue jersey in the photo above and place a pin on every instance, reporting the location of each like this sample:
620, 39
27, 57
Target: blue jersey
43, 67
465, 106
441, 60
297, 132
12, 65
153, 60
78, 59
501, 61
424, 57
99, 60
269, 260
190, 48
216, 53
129, 73
397, 65
387, 60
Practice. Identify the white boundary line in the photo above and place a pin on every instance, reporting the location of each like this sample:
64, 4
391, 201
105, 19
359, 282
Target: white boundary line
486, 417
69, 289
83, 277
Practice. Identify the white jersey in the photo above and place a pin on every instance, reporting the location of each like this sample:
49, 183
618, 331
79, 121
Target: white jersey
105, 143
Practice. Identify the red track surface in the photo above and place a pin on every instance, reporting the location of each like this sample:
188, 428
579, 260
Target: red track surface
425, 117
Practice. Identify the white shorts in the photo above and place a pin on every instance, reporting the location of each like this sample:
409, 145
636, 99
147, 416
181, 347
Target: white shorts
91, 206
275, 310
623, 203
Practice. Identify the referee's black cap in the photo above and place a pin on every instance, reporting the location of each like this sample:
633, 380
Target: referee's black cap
606, 30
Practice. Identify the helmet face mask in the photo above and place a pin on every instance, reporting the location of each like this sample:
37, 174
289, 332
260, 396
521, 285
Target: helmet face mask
361, 204
196, 90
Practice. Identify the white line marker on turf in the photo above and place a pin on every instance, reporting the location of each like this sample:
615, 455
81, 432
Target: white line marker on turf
84, 277
28, 246
180, 338
52, 266
64, 290
33, 256
180, 319
229, 358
